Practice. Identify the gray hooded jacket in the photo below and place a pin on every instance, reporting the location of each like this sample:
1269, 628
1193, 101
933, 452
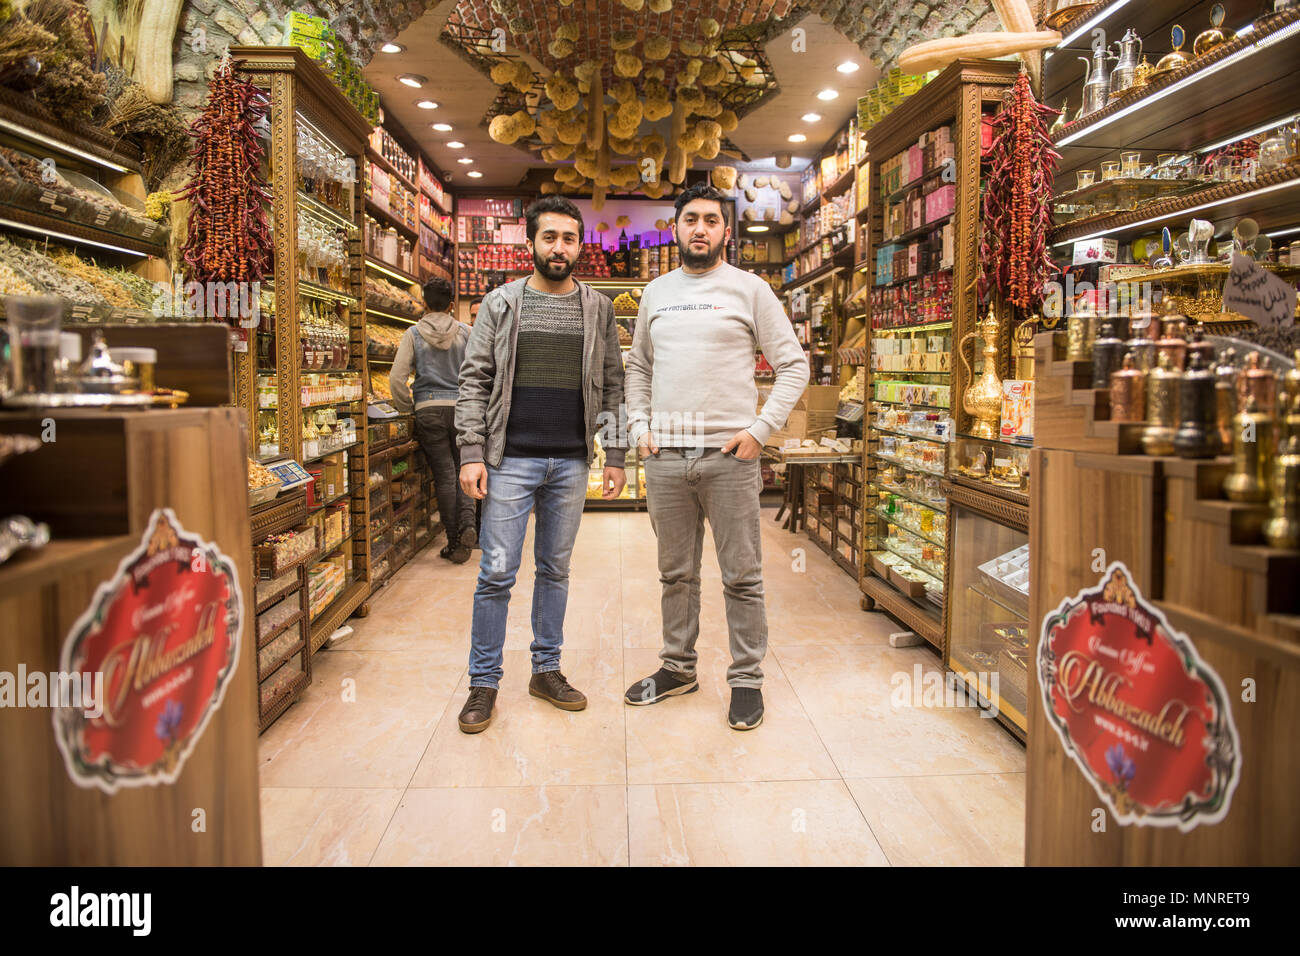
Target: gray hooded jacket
433, 348
488, 374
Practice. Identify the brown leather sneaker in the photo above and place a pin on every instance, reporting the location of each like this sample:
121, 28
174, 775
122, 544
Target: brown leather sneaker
477, 712
552, 686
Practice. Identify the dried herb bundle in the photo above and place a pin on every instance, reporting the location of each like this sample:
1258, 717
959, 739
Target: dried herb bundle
156, 129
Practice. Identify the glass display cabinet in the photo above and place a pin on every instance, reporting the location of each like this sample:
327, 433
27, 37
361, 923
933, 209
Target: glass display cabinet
989, 598
991, 465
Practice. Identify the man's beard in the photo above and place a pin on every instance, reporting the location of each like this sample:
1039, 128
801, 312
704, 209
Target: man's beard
548, 267
699, 260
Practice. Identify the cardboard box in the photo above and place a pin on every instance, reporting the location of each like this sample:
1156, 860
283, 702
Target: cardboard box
813, 415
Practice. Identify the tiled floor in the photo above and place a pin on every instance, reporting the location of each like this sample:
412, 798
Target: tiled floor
371, 768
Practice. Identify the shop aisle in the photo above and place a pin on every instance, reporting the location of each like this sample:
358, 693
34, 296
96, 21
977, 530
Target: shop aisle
369, 766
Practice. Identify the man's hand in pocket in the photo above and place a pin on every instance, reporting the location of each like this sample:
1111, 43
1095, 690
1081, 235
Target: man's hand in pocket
743, 445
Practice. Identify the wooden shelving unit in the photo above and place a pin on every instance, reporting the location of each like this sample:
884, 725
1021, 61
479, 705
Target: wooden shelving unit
958, 97
303, 96
400, 488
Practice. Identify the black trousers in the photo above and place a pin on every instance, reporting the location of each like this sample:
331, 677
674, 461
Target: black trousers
435, 430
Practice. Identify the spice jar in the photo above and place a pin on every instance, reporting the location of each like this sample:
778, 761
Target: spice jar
1107, 356
1257, 382
1225, 395
1282, 530
1140, 342
1173, 339
1198, 429
1162, 408
1128, 392
1252, 444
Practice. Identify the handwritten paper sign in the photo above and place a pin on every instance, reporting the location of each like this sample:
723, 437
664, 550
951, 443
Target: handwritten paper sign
1257, 294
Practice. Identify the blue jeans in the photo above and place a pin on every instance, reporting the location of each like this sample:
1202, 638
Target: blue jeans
557, 489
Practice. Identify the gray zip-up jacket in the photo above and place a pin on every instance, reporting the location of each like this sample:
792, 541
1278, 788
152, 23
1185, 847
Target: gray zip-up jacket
487, 376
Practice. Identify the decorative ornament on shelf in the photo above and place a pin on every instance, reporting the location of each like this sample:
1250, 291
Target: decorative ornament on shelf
1215, 36
982, 400
1176, 59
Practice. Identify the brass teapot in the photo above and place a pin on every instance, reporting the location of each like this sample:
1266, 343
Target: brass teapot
982, 400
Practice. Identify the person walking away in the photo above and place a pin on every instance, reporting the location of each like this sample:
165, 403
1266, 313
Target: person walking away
542, 371
434, 348
691, 410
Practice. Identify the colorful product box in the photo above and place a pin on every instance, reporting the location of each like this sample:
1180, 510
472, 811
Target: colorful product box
1017, 409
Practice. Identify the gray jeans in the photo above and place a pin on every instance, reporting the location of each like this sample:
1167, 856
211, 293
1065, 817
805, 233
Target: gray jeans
684, 488
435, 430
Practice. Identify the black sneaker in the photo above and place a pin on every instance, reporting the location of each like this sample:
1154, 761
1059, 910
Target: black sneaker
468, 538
662, 683
746, 711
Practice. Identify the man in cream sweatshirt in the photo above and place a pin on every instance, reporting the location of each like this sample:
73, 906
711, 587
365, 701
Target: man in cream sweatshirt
691, 403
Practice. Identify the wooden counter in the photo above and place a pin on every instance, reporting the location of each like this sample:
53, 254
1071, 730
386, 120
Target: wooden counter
1195, 556
97, 485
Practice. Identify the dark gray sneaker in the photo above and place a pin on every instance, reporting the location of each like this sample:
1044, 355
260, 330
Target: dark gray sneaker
746, 711
662, 683
552, 686
477, 712
468, 538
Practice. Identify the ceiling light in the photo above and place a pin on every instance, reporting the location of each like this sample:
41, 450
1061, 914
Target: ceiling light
848, 66
392, 48
797, 137
474, 174
442, 127
756, 228
455, 144
427, 105
413, 79
464, 160
811, 117
828, 94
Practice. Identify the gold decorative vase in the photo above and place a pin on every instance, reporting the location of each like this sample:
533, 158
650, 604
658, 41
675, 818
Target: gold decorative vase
982, 400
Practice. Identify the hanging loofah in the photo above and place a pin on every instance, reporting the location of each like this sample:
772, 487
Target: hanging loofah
654, 146
633, 5
571, 132
655, 73
760, 182
656, 110
690, 47
553, 154
786, 218
657, 47
710, 27
624, 147
711, 129
748, 214
622, 222
520, 25
784, 189
523, 78
709, 150
723, 177
712, 73
560, 48
693, 67
660, 6
623, 91
751, 194
586, 166
568, 31
562, 92
655, 189
710, 107
587, 70
792, 206
502, 72
596, 113
549, 189
728, 120
625, 64
503, 129
525, 125
623, 40
566, 174
742, 181
690, 98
